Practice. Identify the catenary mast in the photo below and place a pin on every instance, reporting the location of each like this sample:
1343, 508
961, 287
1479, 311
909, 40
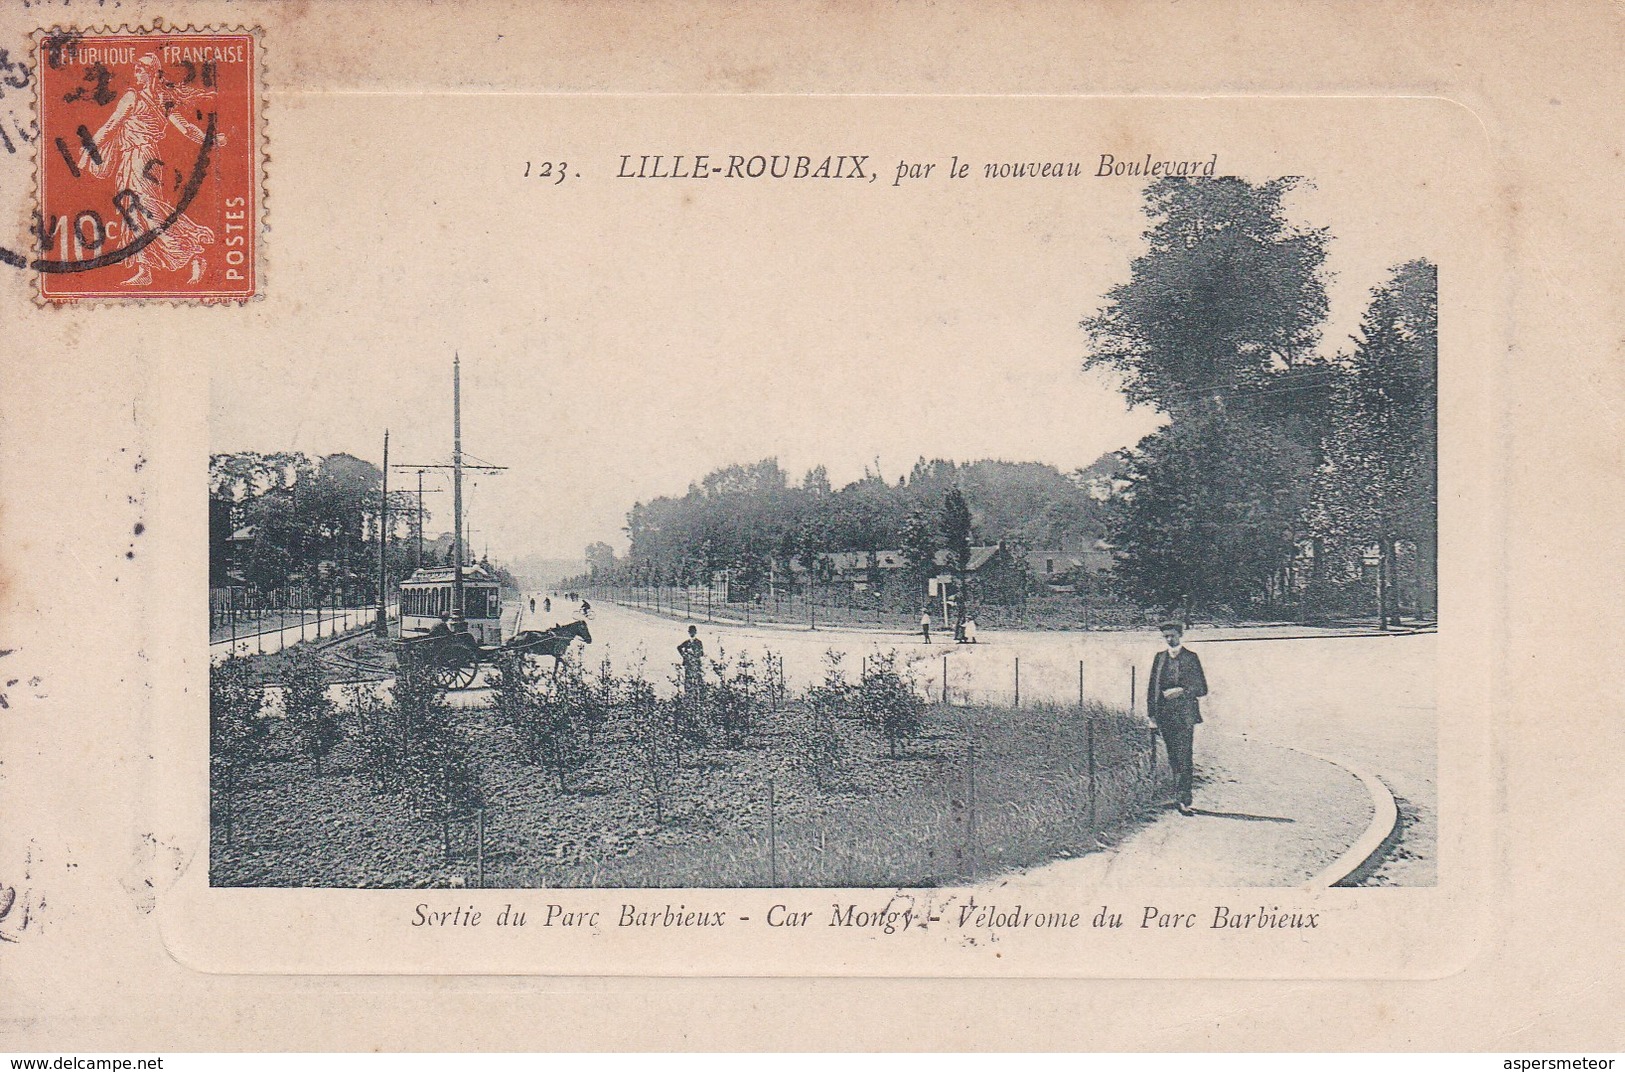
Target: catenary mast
457, 620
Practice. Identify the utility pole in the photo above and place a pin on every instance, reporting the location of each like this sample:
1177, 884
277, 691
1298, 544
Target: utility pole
382, 626
458, 621
419, 562
420, 493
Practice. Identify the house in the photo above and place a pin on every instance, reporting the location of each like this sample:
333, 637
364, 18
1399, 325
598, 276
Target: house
850, 569
993, 573
1061, 570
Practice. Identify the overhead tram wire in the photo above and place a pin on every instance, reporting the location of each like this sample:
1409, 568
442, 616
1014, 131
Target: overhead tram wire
457, 466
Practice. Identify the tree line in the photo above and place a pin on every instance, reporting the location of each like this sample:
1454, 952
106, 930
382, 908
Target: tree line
1282, 478
1281, 472
311, 522
765, 530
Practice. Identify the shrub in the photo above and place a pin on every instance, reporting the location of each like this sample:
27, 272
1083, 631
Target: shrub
600, 696
834, 695
442, 780
237, 734
539, 707
378, 725
732, 701
311, 713
656, 740
890, 700
816, 744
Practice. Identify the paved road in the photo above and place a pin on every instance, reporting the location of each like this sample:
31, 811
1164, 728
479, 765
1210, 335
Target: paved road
270, 639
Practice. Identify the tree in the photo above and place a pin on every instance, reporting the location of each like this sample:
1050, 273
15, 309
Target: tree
1381, 485
1227, 293
237, 735
920, 545
866, 516
309, 710
956, 539
816, 482
1217, 327
1212, 512
600, 560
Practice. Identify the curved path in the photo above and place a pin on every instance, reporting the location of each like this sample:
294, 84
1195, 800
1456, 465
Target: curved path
1366, 700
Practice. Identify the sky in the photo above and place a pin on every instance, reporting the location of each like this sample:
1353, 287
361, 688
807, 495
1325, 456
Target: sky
620, 338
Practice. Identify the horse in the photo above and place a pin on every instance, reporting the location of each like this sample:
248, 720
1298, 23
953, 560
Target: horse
555, 641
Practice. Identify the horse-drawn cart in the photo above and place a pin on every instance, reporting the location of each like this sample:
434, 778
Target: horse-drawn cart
454, 657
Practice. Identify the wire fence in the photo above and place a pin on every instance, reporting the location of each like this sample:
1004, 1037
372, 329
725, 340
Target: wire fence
246, 621
806, 796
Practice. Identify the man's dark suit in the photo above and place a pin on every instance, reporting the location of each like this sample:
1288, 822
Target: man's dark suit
1176, 718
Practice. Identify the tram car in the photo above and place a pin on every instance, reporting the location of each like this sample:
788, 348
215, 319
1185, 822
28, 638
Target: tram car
427, 599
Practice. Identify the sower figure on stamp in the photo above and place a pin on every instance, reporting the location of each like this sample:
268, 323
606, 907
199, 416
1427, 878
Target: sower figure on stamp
129, 145
1173, 701
693, 652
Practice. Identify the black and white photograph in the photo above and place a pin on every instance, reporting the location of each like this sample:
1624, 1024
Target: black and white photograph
1062, 514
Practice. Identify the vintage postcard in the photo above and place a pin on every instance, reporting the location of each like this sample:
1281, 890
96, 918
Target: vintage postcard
999, 533
661, 530
876, 537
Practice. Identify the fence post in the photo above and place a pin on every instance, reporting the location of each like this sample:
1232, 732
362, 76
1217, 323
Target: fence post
1132, 690
479, 846
945, 681
970, 808
772, 836
1018, 681
233, 592
1089, 739
231, 802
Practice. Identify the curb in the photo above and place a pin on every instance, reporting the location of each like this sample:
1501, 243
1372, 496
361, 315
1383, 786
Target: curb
1363, 857
1313, 636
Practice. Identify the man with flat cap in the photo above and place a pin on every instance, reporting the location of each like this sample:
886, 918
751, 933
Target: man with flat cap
1173, 701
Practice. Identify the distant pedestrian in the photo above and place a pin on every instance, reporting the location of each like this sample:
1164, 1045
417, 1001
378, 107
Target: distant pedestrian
533, 604
925, 625
547, 605
970, 630
1174, 689
692, 651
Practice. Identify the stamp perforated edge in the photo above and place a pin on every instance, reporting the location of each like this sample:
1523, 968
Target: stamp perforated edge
261, 139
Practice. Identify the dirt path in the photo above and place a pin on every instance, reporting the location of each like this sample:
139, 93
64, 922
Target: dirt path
1265, 816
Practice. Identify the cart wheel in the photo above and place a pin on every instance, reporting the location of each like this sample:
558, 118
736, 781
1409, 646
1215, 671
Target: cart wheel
463, 676
445, 676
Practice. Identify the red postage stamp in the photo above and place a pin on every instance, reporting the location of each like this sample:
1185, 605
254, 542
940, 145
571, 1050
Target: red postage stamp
149, 165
